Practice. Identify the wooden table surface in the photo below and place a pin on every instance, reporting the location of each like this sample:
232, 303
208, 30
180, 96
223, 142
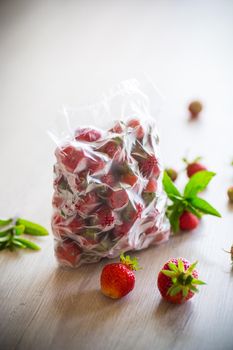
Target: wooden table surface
55, 52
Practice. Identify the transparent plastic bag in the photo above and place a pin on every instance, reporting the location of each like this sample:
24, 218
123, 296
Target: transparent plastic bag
108, 195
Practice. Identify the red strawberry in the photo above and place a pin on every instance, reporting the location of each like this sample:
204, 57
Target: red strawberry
88, 203
149, 166
118, 279
117, 128
194, 167
112, 147
57, 201
70, 157
122, 230
95, 164
151, 185
132, 213
135, 124
108, 179
68, 253
118, 199
87, 134
178, 280
188, 221
129, 178
76, 224
104, 217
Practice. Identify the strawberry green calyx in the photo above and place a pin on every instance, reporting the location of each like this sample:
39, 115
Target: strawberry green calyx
197, 159
131, 263
182, 280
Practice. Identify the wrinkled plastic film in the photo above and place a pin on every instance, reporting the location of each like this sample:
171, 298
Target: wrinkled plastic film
108, 195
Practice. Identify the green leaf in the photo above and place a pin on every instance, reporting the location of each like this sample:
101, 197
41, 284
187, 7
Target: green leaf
28, 244
180, 265
192, 267
192, 209
5, 233
169, 187
204, 206
194, 289
169, 273
195, 281
185, 291
31, 228
173, 266
197, 183
4, 239
18, 244
174, 290
5, 222
19, 230
174, 216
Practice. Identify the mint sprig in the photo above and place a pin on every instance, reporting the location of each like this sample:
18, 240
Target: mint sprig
11, 231
188, 201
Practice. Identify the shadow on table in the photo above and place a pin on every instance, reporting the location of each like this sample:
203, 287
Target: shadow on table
173, 316
73, 296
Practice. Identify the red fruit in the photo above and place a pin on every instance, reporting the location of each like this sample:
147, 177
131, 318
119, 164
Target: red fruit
108, 179
151, 185
135, 124
70, 157
87, 134
132, 213
68, 252
193, 168
177, 280
95, 164
117, 128
89, 237
118, 279
104, 217
76, 224
129, 178
122, 230
112, 147
57, 201
188, 221
118, 199
149, 166
88, 203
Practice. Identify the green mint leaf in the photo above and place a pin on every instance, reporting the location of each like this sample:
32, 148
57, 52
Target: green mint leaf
26, 243
204, 206
197, 183
174, 216
3, 246
193, 210
169, 187
31, 228
5, 238
18, 244
5, 222
19, 230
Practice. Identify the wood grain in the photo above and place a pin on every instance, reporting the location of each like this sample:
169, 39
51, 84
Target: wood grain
67, 52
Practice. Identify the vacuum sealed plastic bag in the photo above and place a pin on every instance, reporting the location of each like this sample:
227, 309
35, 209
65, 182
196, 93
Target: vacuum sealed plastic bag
108, 195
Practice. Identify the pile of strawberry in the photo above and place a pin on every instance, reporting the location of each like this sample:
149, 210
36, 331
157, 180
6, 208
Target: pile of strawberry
108, 195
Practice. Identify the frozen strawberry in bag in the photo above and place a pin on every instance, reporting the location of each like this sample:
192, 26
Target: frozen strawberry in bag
108, 195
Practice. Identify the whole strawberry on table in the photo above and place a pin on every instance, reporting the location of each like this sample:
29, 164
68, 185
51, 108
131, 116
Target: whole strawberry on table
178, 280
118, 279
